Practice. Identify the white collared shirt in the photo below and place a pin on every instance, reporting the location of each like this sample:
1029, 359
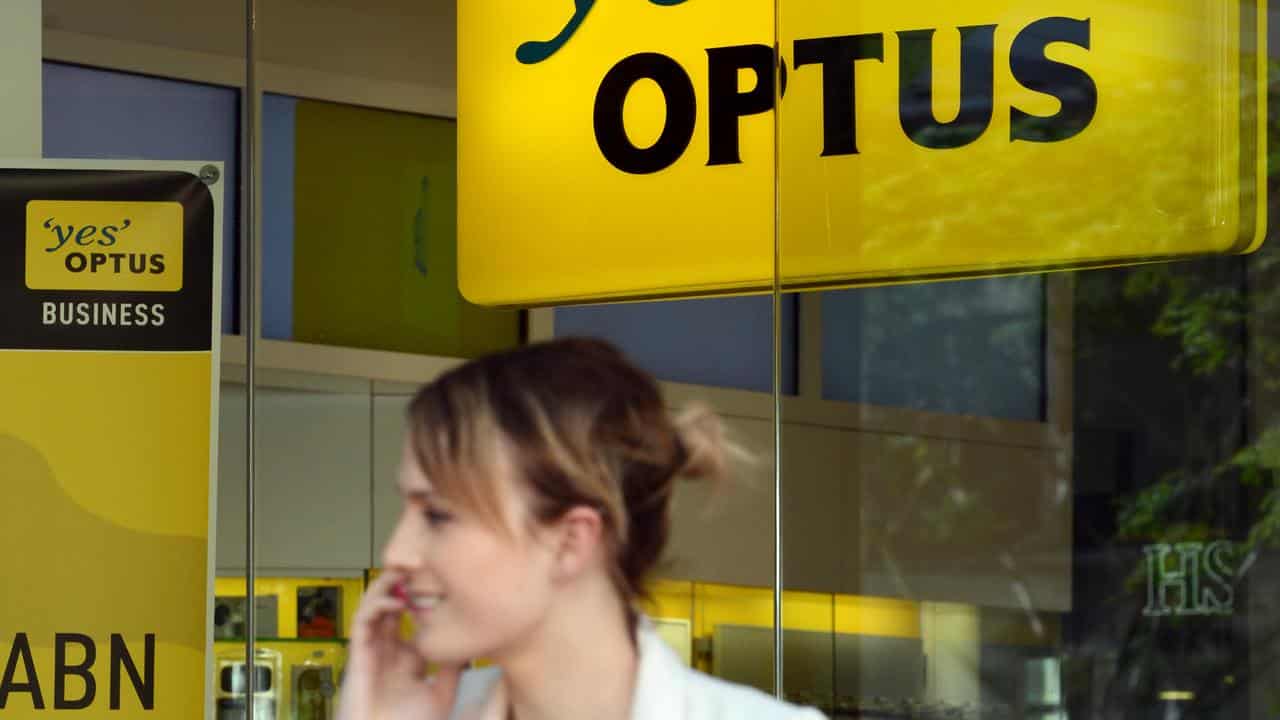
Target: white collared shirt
665, 689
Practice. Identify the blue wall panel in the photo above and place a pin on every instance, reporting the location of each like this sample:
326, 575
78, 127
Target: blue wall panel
279, 140
972, 347
723, 342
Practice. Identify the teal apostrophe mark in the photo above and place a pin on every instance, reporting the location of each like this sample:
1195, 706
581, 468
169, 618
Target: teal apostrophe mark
535, 51
420, 228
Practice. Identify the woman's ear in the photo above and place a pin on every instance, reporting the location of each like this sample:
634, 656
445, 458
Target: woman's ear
580, 538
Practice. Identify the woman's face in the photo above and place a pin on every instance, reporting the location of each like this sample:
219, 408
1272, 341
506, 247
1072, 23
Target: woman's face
474, 590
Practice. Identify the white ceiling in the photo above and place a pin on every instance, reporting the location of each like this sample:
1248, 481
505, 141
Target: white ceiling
410, 41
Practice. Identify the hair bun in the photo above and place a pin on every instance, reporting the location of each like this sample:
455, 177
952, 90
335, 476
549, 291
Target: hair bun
706, 449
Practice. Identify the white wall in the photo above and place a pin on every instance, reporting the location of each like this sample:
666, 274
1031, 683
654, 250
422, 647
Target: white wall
20, 82
952, 647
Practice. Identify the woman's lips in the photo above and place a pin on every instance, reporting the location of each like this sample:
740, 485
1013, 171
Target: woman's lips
418, 602
400, 591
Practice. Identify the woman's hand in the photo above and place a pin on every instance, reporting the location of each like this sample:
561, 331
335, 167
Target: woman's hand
385, 675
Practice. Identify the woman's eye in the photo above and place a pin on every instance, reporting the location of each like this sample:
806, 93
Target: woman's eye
436, 517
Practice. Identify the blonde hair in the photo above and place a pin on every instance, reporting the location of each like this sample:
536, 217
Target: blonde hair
584, 427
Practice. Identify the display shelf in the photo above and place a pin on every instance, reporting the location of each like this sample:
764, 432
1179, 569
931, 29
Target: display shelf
275, 640
371, 365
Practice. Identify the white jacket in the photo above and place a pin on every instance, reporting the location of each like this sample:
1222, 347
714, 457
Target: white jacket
665, 689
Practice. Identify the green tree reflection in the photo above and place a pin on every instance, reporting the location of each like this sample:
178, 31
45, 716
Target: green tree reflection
1207, 335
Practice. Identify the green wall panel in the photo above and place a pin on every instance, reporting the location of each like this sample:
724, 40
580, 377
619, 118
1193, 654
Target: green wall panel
375, 246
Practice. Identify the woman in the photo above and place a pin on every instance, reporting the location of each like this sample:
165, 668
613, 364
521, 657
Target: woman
536, 484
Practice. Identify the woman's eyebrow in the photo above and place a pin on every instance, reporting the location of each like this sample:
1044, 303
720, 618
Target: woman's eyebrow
417, 494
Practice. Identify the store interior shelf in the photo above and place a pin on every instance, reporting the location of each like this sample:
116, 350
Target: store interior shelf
276, 640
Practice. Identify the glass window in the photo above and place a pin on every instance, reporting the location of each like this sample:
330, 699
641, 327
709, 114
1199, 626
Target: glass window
1033, 497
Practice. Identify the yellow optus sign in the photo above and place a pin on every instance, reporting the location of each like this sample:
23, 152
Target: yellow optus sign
108, 376
77, 245
624, 149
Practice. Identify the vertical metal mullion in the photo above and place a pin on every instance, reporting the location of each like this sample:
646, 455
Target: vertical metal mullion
777, 358
249, 330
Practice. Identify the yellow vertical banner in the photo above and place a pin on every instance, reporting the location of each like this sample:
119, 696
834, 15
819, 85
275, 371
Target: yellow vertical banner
108, 392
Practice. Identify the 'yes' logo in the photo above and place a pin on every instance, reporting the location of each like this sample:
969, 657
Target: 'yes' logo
535, 51
84, 236
94, 245
94, 260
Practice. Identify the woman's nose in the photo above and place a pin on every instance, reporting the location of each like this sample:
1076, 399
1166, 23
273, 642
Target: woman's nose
403, 550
